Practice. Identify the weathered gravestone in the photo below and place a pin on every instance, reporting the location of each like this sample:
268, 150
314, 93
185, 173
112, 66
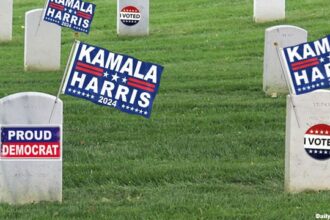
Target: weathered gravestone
132, 17
268, 10
42, 49
34, 172
307, 150
6, 20
281, 36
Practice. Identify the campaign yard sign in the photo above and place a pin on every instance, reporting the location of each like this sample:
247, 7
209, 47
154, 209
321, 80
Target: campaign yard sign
308, 65
31, 142
75, 14
111, 79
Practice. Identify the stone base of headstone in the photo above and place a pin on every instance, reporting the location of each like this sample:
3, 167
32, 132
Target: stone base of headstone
302, 171
42, 49
280, 36
268, 10
28, 181
6, 20
137, 23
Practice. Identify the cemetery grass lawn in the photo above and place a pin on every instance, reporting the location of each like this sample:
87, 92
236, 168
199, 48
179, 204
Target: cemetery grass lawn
214, 146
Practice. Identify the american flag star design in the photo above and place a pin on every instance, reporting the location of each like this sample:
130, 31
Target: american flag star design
317, 142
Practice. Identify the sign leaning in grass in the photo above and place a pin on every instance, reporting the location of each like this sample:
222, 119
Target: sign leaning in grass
308, 65
6, 20
111, 79
74, 14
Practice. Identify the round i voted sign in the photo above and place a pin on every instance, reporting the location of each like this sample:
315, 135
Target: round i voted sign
317, 141
130, 15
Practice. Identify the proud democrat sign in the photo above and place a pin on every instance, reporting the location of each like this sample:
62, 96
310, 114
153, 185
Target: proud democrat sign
308, 65
111, 79
74, 14
31, 142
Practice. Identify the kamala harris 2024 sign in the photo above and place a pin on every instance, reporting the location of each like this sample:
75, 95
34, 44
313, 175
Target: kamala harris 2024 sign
74, 14
111, 79
308, 65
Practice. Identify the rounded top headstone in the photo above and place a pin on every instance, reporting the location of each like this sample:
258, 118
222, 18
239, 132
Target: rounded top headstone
31, 108
34, 11
285, 27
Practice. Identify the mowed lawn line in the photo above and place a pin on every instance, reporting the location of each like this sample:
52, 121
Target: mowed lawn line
214, 146
187, 199
140, 191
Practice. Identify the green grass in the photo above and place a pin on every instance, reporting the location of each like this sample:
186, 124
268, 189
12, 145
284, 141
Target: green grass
214, 146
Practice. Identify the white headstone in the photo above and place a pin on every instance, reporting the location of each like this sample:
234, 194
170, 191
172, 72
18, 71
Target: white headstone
268, 10
42, 49
307, 150
278, 37
26, 181
132, 17
6, 20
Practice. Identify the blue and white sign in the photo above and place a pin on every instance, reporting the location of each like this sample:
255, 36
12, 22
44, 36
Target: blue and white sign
75, 14
308, 65
111, 79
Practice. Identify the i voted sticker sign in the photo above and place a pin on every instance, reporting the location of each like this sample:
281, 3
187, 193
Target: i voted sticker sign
317, 142
130, 15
